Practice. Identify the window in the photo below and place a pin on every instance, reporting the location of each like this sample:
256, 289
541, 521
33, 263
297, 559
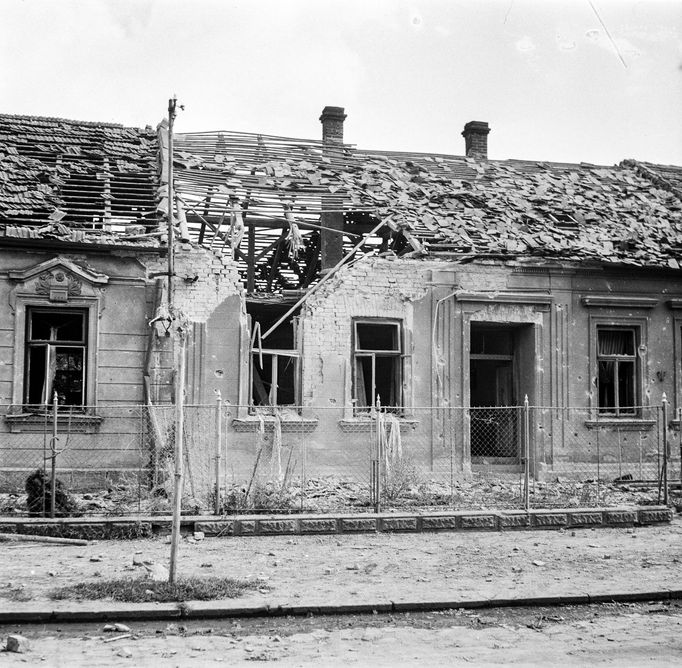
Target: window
617, 372
274, 375
56, 356
377, 364
274, 361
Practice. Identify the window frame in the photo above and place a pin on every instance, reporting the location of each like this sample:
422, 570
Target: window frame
31, 343
617, 359
275, 354
356, 352
639, 326
91, 307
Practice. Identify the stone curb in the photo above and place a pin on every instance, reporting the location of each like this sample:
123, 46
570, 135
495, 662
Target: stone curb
272, 525
225, 609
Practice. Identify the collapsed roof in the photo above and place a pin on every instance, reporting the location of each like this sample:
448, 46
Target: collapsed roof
445, 205
76, 181
263, 199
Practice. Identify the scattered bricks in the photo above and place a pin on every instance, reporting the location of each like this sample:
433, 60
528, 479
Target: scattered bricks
439, 523
550, 519
399, 524
276, 526
584, 519
359, 524
318, 526
215, 528
620, 517
246, 527
514, 521
654, 515
478, 522
17, 643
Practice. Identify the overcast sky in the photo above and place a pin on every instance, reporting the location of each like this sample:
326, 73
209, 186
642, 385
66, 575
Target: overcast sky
566, 80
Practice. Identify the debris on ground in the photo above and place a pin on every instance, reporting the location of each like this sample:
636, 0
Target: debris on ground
18, 644
118, 628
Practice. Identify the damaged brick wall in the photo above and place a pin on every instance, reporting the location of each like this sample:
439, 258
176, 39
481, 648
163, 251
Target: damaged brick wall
205, 281
372, 288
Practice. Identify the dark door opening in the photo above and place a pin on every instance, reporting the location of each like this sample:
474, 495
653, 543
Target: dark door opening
493, 395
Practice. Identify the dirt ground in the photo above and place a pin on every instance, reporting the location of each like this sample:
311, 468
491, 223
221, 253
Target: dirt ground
373, 567
621, 634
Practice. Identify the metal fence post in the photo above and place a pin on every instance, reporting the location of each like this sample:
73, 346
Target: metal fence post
375, 460
218, 449
53, 456
679, 431
526, 454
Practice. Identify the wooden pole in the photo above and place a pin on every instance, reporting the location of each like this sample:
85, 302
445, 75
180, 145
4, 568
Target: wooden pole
179, 429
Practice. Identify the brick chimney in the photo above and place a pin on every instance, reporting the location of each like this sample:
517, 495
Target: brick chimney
332, 124
476, 139
331, 243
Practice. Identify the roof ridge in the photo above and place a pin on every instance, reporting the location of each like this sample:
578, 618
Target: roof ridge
645, 170
72, 121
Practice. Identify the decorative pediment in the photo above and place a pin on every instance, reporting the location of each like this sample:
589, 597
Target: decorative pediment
58, 279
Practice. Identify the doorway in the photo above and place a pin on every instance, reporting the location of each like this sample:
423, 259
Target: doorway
494, 392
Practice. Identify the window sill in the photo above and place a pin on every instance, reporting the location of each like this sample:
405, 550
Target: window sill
367, 424
81, 423
624, 424
289, 425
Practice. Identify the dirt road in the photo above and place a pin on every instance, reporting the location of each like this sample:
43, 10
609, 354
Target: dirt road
625, 635
322, 569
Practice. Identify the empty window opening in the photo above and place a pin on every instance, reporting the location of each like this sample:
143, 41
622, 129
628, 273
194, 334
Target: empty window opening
56, 353
617, 370
377, 364
275, 361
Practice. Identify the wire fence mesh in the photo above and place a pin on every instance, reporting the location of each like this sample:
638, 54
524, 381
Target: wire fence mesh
119, 460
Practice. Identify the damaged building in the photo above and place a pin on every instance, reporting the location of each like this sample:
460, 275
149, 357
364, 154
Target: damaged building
316, 283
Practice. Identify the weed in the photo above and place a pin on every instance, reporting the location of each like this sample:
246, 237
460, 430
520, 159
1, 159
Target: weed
400, 477
141, 590
19, 593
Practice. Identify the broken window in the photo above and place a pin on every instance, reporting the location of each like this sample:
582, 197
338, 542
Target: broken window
377, 364
275, 361
56, 354
617, 370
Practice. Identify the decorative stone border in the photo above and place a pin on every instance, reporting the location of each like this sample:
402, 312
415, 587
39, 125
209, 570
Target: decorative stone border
269, 525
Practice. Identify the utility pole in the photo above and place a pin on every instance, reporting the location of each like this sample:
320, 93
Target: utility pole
180, 352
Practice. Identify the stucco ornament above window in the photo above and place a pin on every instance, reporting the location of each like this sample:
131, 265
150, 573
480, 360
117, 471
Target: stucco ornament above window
59, 280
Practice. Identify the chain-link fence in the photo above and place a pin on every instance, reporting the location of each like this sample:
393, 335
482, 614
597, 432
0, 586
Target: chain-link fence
119, 460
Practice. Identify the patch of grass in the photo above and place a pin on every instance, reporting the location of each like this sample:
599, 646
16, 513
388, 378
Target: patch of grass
141, 590
16, 593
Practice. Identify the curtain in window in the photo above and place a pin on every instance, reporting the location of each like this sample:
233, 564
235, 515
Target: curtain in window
616, 342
